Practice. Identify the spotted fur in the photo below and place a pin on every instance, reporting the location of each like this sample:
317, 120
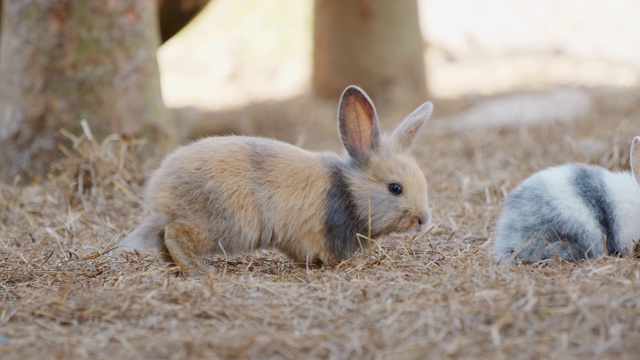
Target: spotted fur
573, 212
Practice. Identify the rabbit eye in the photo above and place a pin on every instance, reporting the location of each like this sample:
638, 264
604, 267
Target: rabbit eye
395, 189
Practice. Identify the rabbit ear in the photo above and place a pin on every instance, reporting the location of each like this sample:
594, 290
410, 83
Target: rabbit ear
635, 158
407, 132
358, 123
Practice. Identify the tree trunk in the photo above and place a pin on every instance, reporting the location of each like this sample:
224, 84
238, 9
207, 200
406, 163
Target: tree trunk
66, 60
375, 44
174, 15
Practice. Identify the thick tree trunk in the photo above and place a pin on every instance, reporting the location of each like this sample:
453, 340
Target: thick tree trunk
66, 60
376, 44
174, 15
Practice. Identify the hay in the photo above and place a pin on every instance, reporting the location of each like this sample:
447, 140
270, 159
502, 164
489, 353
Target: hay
64, 294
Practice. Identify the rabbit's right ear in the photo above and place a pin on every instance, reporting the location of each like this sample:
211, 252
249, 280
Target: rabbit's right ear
635, 158
409, 129
358, 123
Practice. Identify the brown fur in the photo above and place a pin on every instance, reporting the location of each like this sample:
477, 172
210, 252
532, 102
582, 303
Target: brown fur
237, 194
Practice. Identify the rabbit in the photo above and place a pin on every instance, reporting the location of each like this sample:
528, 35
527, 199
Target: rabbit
573, 212
234, 194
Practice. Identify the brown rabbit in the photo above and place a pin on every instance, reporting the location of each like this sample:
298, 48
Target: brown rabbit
237, 194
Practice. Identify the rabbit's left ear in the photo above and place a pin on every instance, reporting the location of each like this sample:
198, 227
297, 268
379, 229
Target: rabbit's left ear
358, 123
635, 158
407, 132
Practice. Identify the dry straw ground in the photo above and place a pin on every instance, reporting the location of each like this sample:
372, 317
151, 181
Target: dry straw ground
65, 294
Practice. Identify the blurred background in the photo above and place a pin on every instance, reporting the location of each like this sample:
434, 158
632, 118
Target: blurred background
276, 68
238, 51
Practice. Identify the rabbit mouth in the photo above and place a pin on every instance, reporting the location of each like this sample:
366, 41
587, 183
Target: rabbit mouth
412, 224
419, 222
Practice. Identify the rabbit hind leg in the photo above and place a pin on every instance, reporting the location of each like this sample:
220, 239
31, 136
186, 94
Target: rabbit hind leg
547, 247
187, 247
571, 248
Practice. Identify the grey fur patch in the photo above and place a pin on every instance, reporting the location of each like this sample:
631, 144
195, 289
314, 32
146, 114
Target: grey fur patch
260, 158
591, 188
341, 222
540, 228
535, 228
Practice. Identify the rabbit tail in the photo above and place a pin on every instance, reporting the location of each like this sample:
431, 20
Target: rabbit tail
149, 235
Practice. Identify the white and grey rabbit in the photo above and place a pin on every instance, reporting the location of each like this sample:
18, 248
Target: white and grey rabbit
236, 193
573, 212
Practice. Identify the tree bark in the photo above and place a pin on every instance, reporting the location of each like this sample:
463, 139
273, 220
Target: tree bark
173, 15
376, 44
66, 60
